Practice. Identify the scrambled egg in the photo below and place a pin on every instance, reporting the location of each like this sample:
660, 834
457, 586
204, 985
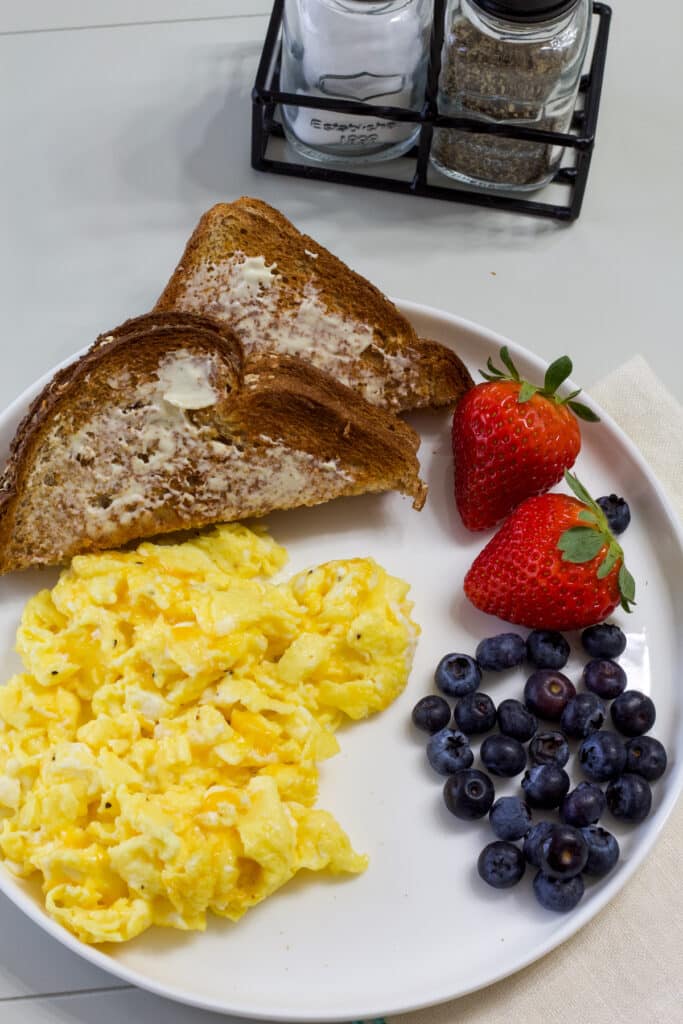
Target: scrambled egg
158, 755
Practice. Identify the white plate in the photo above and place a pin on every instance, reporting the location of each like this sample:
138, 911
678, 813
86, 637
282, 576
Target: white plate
418, 927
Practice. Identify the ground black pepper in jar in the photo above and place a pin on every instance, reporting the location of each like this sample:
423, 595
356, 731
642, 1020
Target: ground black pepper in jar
511, 62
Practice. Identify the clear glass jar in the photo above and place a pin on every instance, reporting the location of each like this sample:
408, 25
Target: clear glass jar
362, 50
514, 62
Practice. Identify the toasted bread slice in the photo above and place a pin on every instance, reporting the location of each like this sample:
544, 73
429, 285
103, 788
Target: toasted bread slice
157, 429
281, 291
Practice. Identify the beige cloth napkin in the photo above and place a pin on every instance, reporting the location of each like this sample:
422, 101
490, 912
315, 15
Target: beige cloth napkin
626, 965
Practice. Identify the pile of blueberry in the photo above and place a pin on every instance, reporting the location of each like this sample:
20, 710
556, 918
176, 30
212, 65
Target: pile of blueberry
623, 758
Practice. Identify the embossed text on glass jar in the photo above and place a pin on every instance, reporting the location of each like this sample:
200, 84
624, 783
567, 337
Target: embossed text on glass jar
362, 50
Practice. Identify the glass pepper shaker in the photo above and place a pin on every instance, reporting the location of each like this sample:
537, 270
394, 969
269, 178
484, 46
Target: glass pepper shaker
515, 62
362, 50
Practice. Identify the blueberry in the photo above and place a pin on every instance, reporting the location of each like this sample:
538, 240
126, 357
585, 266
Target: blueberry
584, 805
468, 794
546, 648
545, 785
549, 748
510, 818
633, 713
448, 751
547, 693
560, 894
496, 653
583, 715
563, 852
457, 674
603, 850
475, 713
604, 677
604, 641
534, 838
646, 756
501, 864
616, 511
629, 797
503, 755
431, 713
602, 755
514, 720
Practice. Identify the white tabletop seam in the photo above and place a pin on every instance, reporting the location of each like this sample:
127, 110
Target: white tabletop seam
26, 998
129, 24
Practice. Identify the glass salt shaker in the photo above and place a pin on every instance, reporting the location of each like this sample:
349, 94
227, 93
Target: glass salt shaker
362, 50
515, 62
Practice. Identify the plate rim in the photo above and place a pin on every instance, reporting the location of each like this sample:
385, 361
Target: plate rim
572, 924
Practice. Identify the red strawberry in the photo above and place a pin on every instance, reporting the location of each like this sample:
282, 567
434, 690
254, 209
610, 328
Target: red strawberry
553, 564
512, 439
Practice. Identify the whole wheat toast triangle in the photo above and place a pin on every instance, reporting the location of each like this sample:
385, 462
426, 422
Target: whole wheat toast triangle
157, 428
248, 266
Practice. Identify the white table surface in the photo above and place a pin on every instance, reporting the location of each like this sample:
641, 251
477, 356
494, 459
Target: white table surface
122, 120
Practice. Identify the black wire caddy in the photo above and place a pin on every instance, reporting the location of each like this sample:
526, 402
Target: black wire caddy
578, 142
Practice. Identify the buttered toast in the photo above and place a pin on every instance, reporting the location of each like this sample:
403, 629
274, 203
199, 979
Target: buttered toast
159, 428
280, 291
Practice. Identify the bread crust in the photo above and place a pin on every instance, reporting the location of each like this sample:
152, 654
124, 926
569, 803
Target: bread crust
280, 406
395, 369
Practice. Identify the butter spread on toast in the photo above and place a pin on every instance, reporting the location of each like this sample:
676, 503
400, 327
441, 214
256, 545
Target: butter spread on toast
281, 291
155, 430
247, 294
187, 381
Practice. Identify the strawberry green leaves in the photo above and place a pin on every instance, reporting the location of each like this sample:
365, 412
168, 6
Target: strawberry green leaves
584, 543
582, 411
580, 544
506, 358
526, 392
627, 588
497, 374
608, 563
582, 494
555, 376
